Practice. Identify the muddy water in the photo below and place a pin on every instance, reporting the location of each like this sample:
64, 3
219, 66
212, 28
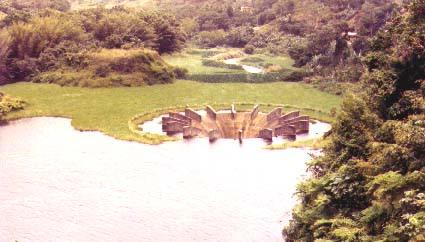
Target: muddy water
58, 184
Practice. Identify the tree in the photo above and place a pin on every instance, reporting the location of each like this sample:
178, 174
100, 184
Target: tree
4, 52
369, 184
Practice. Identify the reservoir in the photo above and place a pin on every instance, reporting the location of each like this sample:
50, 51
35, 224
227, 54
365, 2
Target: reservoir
59, 184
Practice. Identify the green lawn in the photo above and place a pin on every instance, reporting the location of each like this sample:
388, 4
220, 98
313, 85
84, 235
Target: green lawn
193, 63
109, 109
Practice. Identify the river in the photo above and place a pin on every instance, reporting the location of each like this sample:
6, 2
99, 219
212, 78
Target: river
59, 184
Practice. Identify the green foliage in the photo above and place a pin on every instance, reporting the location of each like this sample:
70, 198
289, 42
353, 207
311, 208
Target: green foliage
206, 65
211, 38
386, 184
181, 73
283, 75
50, 41
372, 170
240, 36
220, 64
9, 104
113, 68
249, 49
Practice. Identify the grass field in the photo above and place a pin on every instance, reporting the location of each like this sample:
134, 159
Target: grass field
109, 109
193, 63
191, 59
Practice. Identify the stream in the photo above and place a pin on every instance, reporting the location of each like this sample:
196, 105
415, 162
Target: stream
250, 69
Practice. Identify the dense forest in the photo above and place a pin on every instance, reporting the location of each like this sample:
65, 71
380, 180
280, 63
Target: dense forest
369, 185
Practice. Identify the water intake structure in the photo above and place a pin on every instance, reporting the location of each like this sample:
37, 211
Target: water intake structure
230, 124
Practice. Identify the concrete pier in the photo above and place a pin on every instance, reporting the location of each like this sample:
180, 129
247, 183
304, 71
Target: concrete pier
192, 114
290, 115
213, 135
266, 134
255, 112
240, 134
211, 112
274, 114
233, 111
180, 116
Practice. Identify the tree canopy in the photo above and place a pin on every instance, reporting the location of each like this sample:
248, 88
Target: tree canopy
369, 185
50, 39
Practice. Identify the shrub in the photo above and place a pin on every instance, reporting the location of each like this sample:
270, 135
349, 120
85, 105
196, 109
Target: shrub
211, 38
249, 49
240, 36
297, 76
102, 71
242, 77
22, 69
181, 73
220, 64
9, 104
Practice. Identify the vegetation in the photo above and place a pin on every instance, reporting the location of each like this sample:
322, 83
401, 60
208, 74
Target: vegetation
207, 65
86, 4
53, 46
109, 110
9, 104
327, 38
113, 67
369, 185
316, 144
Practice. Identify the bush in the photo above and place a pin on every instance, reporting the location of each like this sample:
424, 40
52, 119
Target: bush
181, 73
297, 76
242, 77
211, 39
102, 71
22, 69
240, 36
9, 104
220, 64
249, 49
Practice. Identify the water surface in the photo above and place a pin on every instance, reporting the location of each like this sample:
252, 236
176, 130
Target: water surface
247, 68
59, 184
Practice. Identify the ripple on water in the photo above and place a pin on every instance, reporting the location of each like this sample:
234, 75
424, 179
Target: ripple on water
59, 184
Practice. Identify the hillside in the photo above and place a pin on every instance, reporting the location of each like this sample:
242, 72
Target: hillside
92, 48
327, 38
369, 185
84, 4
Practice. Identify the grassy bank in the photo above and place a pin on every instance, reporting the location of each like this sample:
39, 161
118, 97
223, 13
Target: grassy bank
318, 143
109, 109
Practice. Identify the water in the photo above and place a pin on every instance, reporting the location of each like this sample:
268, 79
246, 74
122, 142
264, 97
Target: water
250, 69
59, 184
